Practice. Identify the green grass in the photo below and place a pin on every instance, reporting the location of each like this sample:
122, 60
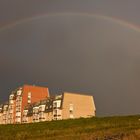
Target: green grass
79, 129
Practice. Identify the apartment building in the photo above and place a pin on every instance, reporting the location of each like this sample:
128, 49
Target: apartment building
63, 106
76, 105
19, 99
38, 112
31, 104
5, 113
73, 105
11, 108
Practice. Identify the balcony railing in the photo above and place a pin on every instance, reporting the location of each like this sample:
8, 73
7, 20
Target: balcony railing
11, 101
18, 114
11, 111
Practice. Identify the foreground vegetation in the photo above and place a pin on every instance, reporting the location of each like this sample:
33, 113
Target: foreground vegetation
107, 128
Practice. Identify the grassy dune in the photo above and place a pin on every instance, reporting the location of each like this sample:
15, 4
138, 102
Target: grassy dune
107, 128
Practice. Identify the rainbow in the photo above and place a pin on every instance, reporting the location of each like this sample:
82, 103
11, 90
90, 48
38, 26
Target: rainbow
107, 18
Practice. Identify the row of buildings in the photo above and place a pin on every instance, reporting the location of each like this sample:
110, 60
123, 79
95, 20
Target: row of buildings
28, 104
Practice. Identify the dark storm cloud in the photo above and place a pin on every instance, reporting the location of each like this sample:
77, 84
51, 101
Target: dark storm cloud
20, 9
73, 53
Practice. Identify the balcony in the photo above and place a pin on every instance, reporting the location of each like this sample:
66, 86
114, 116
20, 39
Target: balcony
11, 97
57, 104
10, 117
10, 108
57, 118
18, 120
11, 101
18, 114
57, 114
5, 112
41, 115
36, 118
18, 108
11, 111
41, 108
25, 112
35, 110
18, 100
19, 92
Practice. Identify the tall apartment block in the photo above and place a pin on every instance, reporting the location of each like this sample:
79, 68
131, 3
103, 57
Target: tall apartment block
20, 98
5, 113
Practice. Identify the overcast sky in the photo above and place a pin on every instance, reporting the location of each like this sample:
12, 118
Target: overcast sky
66, 50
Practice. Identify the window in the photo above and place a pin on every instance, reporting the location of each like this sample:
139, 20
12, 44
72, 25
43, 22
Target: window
19, 92
55, 112
55, 104
29, 101
29, 94
71, 116
71, 110
29, 97
71, 107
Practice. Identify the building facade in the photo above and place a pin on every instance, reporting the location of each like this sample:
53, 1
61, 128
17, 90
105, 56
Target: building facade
64, 106
77, 105
31, 104
1, 113
19, 99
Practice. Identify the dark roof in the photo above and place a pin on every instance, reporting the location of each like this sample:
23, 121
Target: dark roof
58, 97
30, 110
36, 104
45, 101
49, 105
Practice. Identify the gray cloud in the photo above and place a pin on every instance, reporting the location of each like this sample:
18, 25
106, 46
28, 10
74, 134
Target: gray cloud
73, 53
